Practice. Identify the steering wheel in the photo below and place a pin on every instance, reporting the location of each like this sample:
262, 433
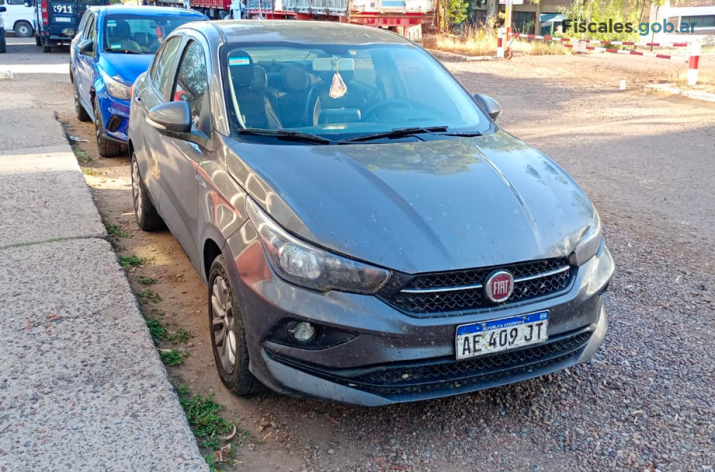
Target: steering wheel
401, 103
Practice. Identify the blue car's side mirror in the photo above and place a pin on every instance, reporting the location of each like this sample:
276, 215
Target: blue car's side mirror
86, 47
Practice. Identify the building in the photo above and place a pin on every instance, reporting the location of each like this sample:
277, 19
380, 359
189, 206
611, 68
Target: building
700, 12
524, 16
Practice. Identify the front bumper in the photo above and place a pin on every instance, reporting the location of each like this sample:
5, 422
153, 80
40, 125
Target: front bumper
390, 356
115, 117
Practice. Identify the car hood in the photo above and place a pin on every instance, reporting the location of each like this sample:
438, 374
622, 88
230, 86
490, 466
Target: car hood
420, 206
126, 66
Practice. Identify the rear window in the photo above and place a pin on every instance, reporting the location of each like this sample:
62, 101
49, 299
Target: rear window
139, 34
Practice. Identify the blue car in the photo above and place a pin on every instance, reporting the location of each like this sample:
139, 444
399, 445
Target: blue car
113, 46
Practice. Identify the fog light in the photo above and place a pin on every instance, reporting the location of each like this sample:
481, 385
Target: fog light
303, 332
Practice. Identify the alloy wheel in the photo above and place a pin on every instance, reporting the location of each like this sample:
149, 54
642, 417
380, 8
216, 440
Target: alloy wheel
222, 323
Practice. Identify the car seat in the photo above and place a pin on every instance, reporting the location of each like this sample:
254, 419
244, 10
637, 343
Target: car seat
249, 84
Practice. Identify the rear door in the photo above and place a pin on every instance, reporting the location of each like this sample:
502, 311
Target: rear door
156, 90
85, 65
62, 14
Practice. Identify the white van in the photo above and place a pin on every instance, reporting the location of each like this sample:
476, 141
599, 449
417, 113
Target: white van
18, 17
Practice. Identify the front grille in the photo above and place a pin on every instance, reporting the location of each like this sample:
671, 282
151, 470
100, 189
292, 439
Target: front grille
449, 374
540, 281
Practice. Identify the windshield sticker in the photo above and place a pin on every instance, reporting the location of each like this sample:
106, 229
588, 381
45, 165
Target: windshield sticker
111, 23
115, 46
239, 61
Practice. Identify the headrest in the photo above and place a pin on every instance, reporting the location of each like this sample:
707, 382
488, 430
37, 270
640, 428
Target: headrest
295, 79
241, 65
260, 78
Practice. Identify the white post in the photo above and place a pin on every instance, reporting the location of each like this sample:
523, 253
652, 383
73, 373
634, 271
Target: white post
694, 52
500, 43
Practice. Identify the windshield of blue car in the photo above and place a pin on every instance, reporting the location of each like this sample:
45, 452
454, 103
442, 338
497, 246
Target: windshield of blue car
135, 34
341, 92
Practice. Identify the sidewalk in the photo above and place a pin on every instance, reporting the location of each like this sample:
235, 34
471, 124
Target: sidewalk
81, 384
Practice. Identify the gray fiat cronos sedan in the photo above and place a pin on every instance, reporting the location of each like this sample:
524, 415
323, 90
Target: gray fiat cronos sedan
368, 235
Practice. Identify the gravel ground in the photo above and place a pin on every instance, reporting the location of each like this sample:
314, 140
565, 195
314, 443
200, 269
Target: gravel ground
644, 403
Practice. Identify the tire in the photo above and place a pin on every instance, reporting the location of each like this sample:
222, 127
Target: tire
3, 45
79, 110
225, 320
38, 40
23, 29
105, 147
147, 217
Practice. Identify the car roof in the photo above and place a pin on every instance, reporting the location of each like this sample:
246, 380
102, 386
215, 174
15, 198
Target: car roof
146, 11
301, 32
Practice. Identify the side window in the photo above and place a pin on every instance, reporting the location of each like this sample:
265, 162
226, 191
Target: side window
161, 74
83, 24
89, 34
15, 2
192, 80
2, 2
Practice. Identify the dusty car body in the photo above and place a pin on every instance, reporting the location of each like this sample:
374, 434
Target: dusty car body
348, 260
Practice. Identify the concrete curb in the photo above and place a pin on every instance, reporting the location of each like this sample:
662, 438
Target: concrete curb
671, 89
459, 57
82, 387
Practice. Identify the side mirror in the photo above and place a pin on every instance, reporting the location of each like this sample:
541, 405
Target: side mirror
490, 105
3, 9
171, 118
86, 47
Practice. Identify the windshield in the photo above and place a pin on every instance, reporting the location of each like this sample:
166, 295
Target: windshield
341, 92
137, 34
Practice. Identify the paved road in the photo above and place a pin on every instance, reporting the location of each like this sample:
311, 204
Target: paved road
644, 403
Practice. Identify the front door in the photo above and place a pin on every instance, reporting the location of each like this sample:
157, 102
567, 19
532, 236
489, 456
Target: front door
179, 162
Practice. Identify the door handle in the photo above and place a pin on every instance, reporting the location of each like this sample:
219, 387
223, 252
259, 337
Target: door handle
200, 181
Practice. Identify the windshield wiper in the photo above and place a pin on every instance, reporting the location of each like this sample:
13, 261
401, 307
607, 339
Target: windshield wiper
286, 135
124, 51
396, 133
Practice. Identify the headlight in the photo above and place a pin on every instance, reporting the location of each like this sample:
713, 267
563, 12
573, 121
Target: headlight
116, 88
309, 266
590, 243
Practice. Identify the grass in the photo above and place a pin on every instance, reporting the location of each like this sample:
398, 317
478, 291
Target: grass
172, 356
202, 413
211, 428
90, 171
156, 329
179, 336
148, 295
147, 280
82, 155
115, 230
127, 262
483, 42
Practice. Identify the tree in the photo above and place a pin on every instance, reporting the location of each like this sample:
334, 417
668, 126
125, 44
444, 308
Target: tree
492, 12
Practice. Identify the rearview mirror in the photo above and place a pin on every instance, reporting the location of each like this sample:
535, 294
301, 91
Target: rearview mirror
490, 105
86, 47
172, 117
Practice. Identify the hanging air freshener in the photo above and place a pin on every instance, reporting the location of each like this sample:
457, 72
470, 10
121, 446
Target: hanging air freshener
338, 87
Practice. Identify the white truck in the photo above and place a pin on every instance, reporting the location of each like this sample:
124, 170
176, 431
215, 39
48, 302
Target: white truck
403, 16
